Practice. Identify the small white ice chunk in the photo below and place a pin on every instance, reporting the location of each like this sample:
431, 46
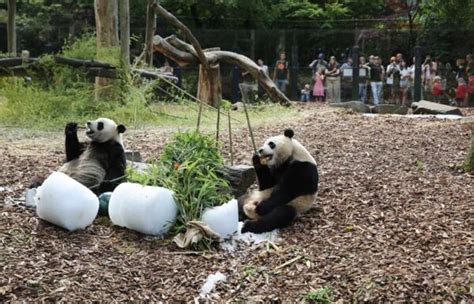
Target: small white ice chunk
224, 219
146, 209
65, 202
210, 283
30, 197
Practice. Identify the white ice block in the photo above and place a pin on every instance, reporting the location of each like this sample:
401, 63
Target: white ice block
146, 209
224, 219
65, 202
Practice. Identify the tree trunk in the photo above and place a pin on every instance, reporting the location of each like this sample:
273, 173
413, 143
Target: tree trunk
107, 36
11, 27
125, 33
209, 85
150, 31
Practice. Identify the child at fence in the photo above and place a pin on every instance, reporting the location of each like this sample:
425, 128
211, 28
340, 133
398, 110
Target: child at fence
318, 89
461, 92
437, 90
305, 93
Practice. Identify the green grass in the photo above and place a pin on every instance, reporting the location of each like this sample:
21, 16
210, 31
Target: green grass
321, 295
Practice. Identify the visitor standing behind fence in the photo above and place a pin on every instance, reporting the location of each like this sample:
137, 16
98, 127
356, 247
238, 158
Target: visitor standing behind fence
333, 81
363, 76
428, 71
470, 79
406, 81
281, 73
376, 76
318, 64
393, 81
318, 89
264, 68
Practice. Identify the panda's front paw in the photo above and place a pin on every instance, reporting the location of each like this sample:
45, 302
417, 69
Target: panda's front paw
256, 160
249, 226
263, 208
71, 128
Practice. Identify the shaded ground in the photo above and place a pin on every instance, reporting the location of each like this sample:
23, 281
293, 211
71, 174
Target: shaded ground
394, 223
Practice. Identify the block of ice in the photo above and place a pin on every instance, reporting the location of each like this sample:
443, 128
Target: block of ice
65, 202
146, 209
224, 219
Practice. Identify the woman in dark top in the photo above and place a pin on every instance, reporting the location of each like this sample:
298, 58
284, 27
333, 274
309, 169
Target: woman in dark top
376, 76
333, 81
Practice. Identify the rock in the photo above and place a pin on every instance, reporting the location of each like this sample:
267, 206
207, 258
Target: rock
133, 156
428, 107
238, 106
357, 106
240, 177
138, 166
389, 109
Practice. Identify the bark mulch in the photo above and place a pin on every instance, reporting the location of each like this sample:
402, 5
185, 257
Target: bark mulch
394, 223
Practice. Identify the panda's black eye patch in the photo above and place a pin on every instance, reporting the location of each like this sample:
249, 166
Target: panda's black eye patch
100, 126
271, 145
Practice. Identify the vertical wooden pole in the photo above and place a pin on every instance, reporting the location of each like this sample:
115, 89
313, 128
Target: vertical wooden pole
11, 27
417, 62
230, 140
355, 72
150, 31
125, 32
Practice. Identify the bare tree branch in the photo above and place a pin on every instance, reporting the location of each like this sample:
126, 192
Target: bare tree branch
175, 53
185, 30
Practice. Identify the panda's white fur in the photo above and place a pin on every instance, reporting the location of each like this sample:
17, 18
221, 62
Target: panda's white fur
99, 163
279, 153
87, 168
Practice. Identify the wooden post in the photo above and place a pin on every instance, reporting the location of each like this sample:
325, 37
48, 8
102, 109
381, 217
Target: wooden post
150, 31
125, 33
294, 71
107, 35
11, 27
418, 88
355, 72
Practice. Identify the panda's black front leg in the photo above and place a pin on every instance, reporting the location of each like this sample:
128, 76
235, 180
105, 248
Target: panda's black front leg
116, 170
264, 176
280, 217
73, 147
279, 197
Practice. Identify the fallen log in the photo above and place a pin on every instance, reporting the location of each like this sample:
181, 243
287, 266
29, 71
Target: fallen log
15, 61
82, 63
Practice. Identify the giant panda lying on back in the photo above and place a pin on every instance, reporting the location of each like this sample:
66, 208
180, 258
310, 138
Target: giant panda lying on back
288, 181
95, 163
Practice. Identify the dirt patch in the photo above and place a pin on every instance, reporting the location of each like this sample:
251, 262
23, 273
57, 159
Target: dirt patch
393, 223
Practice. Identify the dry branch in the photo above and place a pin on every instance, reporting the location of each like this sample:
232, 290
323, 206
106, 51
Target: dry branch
177, 50
185, 30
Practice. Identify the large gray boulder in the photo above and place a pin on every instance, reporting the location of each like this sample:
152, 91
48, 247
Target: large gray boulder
428, 107
390, 109
357, 106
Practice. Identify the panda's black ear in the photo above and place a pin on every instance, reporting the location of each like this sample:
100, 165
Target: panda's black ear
289, 133
121, 128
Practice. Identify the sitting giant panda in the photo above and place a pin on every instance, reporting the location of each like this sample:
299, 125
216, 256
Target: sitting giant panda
94, 164
288, 181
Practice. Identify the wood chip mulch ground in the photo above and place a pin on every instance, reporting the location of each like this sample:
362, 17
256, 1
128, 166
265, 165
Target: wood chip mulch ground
394, 223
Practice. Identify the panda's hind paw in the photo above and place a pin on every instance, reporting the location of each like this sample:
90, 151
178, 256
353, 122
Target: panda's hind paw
71, 128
